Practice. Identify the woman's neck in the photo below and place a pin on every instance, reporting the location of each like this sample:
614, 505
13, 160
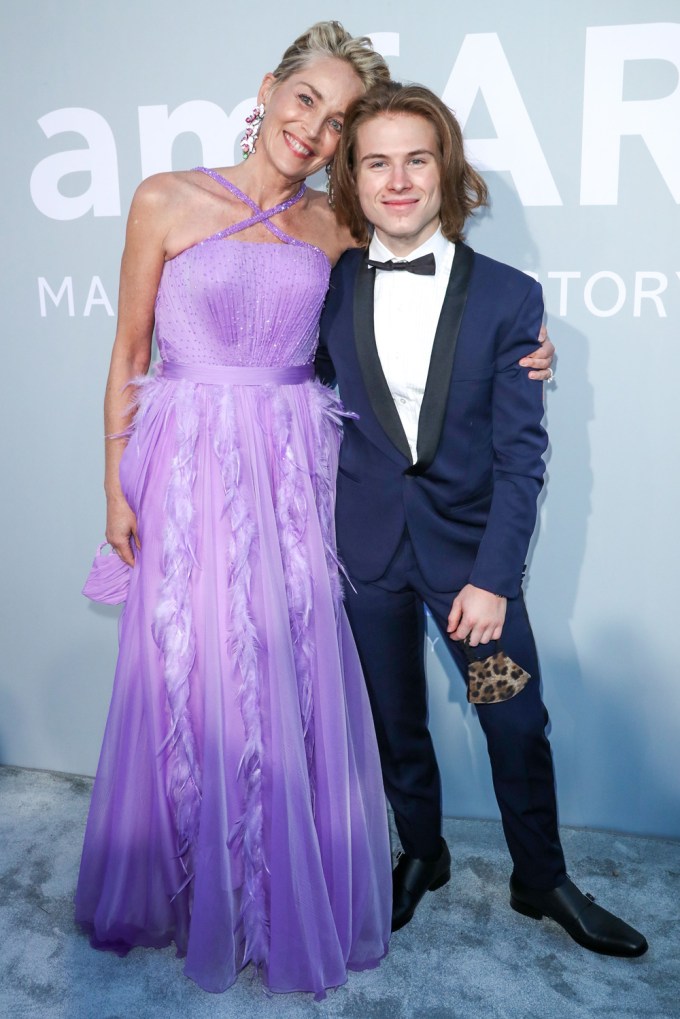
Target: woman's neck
262, 183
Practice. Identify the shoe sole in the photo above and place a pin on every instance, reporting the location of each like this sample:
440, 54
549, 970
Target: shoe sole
526, 910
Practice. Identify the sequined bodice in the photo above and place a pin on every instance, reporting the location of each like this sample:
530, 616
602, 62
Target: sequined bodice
225, 301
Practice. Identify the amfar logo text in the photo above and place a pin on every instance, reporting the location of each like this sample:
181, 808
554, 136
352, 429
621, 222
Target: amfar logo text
481, 67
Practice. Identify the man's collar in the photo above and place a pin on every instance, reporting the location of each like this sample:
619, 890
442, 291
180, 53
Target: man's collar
437, 244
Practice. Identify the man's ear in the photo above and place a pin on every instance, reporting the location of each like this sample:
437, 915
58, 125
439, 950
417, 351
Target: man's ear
266, 87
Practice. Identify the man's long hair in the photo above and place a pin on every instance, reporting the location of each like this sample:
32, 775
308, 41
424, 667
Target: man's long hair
463, 190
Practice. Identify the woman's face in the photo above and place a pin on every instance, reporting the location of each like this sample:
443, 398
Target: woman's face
304, 115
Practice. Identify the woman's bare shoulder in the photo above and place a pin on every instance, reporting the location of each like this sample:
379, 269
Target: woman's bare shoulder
336, 238
178, 205
158, 198
318, 201
167, 190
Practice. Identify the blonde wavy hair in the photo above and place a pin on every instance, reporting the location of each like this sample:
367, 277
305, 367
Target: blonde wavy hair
330, 39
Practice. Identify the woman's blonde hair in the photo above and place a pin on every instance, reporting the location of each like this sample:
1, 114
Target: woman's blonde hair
330, 39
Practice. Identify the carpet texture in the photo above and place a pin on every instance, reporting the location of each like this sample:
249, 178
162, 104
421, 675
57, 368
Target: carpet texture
466, 954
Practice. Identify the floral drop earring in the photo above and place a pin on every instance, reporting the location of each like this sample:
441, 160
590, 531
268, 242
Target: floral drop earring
329, 184
250, 137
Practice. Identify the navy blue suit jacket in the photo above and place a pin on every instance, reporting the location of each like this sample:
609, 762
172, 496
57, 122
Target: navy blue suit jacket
469, 501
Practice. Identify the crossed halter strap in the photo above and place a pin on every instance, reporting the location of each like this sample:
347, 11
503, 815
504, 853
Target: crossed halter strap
259, 215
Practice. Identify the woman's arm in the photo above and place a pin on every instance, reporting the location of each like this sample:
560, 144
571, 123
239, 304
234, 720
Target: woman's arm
141, 268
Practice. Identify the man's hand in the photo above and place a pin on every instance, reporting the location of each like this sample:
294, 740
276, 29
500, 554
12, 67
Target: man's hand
476, 614
541, 359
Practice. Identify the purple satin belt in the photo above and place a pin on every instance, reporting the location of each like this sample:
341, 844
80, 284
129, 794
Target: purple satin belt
235, 375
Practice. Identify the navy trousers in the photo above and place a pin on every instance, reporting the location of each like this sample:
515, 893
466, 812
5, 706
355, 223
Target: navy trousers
387, 618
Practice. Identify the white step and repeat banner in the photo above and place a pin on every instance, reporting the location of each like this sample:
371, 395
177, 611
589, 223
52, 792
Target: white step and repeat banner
573, 113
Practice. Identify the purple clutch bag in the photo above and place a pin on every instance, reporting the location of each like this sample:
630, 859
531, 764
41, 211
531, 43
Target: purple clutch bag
109, 579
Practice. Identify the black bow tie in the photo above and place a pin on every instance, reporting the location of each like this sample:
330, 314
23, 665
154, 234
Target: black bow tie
423, 266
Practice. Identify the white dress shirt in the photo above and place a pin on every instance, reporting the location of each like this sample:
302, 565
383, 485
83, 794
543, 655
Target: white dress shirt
406, 312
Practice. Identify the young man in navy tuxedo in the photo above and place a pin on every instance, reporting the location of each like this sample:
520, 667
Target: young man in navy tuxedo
438, 480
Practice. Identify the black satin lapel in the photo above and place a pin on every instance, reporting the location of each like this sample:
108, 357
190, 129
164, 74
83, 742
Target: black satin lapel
375, 383
433, 409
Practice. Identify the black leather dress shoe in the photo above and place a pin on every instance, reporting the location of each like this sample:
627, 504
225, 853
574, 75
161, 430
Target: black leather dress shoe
411, 878
589, 924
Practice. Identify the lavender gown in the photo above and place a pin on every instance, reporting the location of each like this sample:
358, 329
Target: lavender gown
238, 807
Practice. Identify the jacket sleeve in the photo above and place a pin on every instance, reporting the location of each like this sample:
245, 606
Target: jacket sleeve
323, 362
519, 442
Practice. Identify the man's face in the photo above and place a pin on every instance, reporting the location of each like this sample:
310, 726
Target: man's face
398, 179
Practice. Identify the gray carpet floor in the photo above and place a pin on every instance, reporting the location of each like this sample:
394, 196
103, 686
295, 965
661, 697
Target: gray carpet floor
466, 954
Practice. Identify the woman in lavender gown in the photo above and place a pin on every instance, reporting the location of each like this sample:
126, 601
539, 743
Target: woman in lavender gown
238, 806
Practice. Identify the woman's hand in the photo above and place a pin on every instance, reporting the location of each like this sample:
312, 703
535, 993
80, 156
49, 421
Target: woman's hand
121, 529
476, 614
541, 359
